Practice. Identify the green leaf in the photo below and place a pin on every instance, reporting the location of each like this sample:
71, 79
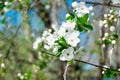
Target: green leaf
40, 46
85, 18
42, 64
1, 6
112, 73
70, 62
58, 54
80, 28
28, 75
88, 26
106, 42
71, 17
2, 21
113, 36
97, 42
10, 0
62, 42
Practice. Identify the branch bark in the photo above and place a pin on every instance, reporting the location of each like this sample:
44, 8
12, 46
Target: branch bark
103, 4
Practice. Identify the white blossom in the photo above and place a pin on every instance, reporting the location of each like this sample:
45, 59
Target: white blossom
103, 38
105, 66
111, 16
36, 43
51, 40
81, 9
106, 34
2, 65
6, 3
74, 4
72, 38
112, 28
115, 20
61, 31
118, 69
55, 26
47, 7
101, 23
103, 45
105, 21
113, 41
69, 25
67, 54
50, 30
105, 15
45, 33
106, 25
67, 15
90, 8
5, 9
111, 11
47, 47
19, 74
22, 77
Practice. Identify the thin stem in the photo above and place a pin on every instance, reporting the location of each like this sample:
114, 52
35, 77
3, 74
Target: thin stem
99, 66
65, 72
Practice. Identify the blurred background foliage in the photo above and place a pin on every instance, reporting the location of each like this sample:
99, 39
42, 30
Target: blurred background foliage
21, 21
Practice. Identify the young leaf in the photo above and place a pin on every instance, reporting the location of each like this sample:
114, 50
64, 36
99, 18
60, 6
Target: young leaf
62, 42
85, 18
71, 17
58, 54
79, 28
42, 64
88, 26
113, 36
112, 73
97, 42
106, 42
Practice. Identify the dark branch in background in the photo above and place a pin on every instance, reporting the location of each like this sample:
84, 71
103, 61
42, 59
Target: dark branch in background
103, 4
43, 13
12, 41
16, 32
98, 66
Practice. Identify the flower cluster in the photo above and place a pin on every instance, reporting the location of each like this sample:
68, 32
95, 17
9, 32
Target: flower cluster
81, 9
62, 41
109, 23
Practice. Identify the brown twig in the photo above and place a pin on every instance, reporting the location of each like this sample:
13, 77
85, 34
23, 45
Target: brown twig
104, 4
98, 66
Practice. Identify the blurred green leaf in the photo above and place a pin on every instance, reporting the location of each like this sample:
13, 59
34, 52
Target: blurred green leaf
58, 54
28, 75
113, 36
112, 73
106, 42
97, 42
42, 64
